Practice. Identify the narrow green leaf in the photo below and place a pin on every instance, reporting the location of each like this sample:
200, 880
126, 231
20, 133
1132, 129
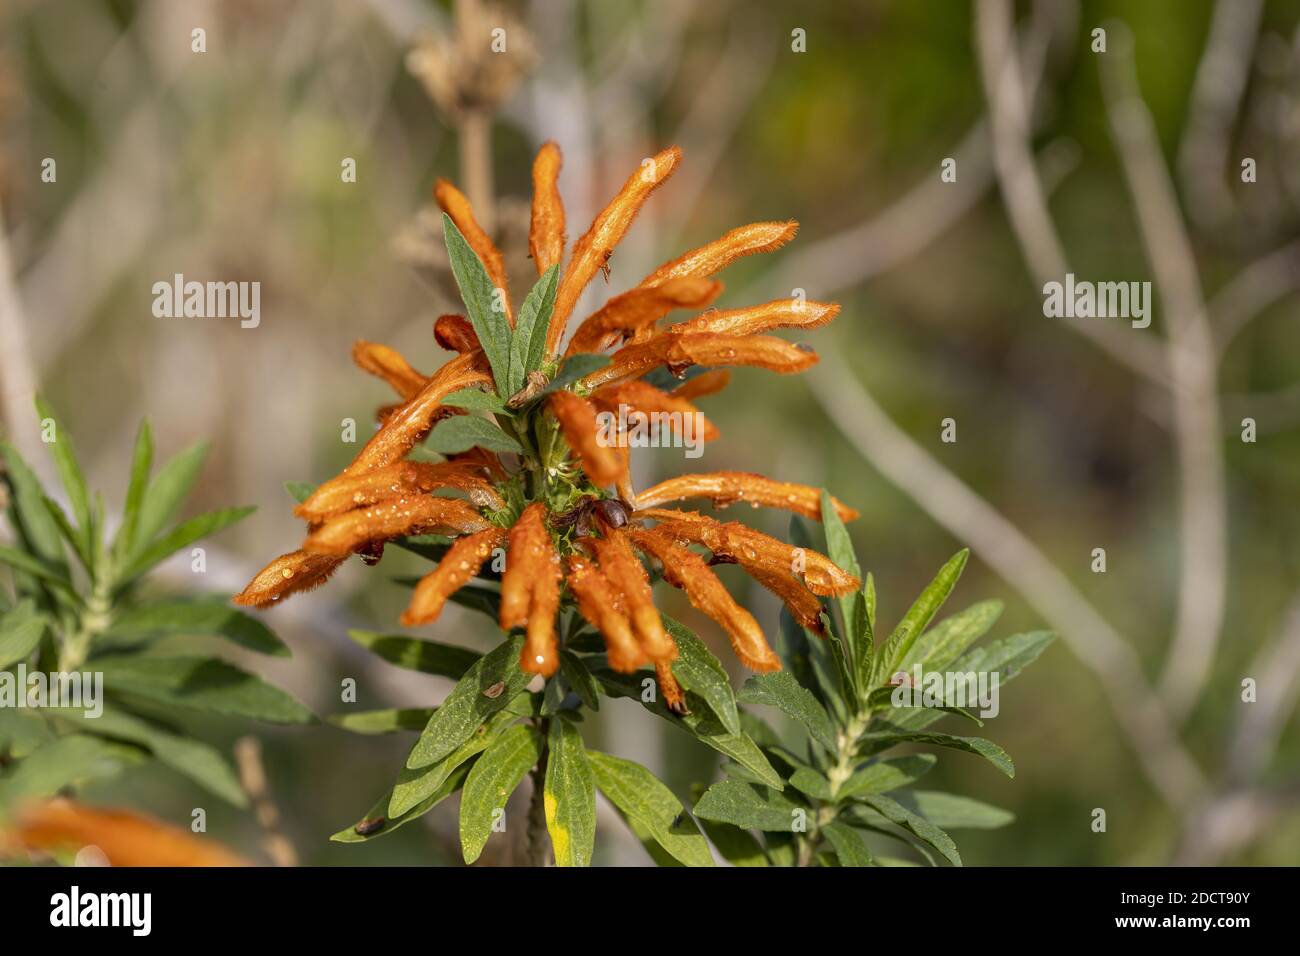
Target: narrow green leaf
414, 786
955, 812
780, 690
923, 829
195, 618
918, 617
383, 721
378, 823
944, 643
50, 574
65, 459
462, 432
201, 763
182, 536
478, 292
167, 492
21, 630
66, 762
141, 462
920, 698
528, 344
576, 367
201, 683
646, 801
415, 654
885, 775
698, 670
874, 742
579, 679
74, 538
569, 796
489, 684
849, 844
839, 548
28, 507
495, 776
747, 806
811, 783
477, 399
738, 847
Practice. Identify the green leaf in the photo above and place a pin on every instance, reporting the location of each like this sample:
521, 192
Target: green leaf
49, 573
414, 654
67, 761
579, 679
22, 732
849, 844
201, 763
299, 491
569, 796
182, 536
198, 617
477, 399
462, 432
857, 630
874, 742
167, 492
806, 658
920, 698
141, 462
528, 344
74, 481
954, 812
698, 670
701, 723
738, 847
782, 691
415, 785
576, 367
489, 684
811, 783
918, 617
476, 289
918, 826
942, 644
647, 804
747, 806
495, 776
377, 823
201, 683
383, 721
28, 506
78, 541
885, 775
20, 633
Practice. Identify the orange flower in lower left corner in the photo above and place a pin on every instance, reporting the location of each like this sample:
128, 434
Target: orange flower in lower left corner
544, 472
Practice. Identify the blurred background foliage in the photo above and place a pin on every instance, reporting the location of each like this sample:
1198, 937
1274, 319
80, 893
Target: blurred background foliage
226, 165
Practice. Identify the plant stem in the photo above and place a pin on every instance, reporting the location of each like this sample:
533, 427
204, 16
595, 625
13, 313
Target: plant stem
537, 841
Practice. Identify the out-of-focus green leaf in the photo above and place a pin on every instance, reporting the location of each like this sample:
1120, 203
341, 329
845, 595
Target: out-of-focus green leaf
415, 654
495, 776
201, 683
738, 847
643, 799
20, 633
65, 459
183, 535
197, 617
569, 796
489, 684
141, 462
383, 721
299, 491
167, 492
67, 761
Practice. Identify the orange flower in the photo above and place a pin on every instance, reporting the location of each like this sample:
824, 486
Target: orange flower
574, 529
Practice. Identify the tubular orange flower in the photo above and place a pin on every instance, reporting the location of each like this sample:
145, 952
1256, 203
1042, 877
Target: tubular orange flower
344, 533
388, 364
711, 259
456, 569
639, 309
125, 838
455, 205
593, 250
783, 313
686, 570
577, 418
598, 604
455, 334
727, 487
546, 228
288, 574
400, 478
571, 542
